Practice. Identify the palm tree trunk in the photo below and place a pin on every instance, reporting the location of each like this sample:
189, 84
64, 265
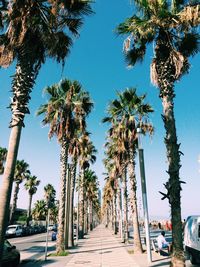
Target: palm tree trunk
22, 85
125, 196
29, 210
120, 211
173, 186
81, 208
166, 78
6, 187
71, 224
133, 188
60, 246
67, 208
91, 215
14, 205
115, 211
86, 216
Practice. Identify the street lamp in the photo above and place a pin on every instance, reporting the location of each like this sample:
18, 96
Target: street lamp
144, 195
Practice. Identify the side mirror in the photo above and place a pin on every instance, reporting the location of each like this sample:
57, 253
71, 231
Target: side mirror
11, 248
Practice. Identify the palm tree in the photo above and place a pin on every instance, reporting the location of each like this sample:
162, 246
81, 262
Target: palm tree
51, 23
91, 188
3, 155
87, 156
172, 25
130, 112
21, 172
31, 186
49, 194
62, 114
39, 210
117, 155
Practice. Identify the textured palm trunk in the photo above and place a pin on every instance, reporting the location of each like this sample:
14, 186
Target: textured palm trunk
60, 246
173, 186
14, 205
29, 210
133, 189
7, 182
119, 198
166, 72
81, 208
22, 85
125, 202
115, 211
67, 208
86, 216
71, 224
91, 215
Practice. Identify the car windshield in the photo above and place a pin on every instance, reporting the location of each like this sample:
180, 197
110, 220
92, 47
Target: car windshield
11, 227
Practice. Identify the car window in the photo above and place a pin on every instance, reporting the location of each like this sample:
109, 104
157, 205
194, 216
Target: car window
11, 227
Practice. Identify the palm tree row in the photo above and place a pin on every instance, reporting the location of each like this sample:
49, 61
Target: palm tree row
173, 26
65, 112
52, 24
21, 174
125, 115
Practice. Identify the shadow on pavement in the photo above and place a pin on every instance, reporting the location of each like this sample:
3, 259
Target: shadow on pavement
33, 263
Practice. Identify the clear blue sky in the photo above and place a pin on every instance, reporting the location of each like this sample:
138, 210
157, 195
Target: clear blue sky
96, 60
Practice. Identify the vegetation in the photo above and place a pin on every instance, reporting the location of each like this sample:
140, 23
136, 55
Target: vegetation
173, 28
52, 24
21, 173
31, 186
126, 114
172, 25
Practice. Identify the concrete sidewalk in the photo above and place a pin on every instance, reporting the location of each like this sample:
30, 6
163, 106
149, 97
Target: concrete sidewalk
101, 249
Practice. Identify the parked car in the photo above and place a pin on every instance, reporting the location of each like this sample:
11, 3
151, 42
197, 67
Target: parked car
192, 238
54, 235
14, 230
50, 227
11, 256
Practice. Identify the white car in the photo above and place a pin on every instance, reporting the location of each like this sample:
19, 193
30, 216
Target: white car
50, 227
14, 230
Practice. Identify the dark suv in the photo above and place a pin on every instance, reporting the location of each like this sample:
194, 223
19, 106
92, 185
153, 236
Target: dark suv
11, 256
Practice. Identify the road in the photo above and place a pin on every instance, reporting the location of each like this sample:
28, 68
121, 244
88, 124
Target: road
32, 247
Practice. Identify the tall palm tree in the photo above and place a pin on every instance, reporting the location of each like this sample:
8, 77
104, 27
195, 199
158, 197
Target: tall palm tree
21, 173
91, 188
52, 24
172, 25
31, 186
3, 155
130, 111
87, 156
117, 154
62, 114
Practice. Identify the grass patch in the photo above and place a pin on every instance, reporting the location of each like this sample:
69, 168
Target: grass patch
130, 251
62, 253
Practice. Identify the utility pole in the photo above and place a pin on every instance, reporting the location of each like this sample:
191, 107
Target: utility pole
144, 196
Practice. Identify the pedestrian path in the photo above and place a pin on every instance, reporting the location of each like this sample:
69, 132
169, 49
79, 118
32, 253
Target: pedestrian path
101, 249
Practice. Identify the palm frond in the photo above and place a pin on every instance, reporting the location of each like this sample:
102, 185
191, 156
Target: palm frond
189, 44
135, 55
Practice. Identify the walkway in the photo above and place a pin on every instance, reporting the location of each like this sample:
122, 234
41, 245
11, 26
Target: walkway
101, 249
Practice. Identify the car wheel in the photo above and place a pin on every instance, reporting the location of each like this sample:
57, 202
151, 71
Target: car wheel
16, 262
193, 259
